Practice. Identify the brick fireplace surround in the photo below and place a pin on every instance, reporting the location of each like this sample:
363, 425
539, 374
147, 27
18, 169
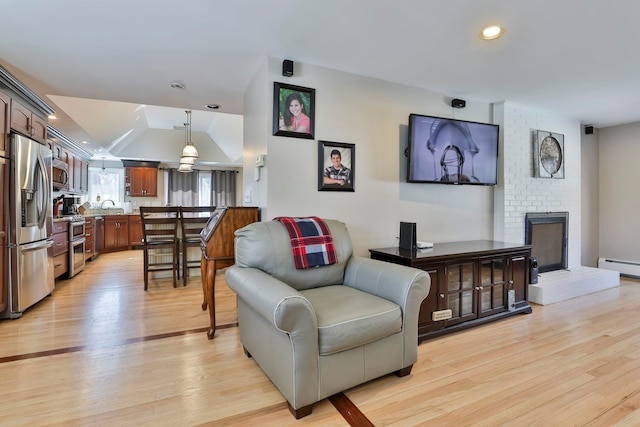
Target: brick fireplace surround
519, 192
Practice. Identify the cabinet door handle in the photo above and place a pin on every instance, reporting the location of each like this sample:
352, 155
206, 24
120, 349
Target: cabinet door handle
442, 296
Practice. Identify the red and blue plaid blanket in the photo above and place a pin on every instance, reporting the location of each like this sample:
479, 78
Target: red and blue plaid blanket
311, 241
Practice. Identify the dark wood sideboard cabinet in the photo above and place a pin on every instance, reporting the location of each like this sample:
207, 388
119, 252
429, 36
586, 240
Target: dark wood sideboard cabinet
479, 281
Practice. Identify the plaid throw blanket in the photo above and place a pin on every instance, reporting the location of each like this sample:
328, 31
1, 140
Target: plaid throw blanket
311, 241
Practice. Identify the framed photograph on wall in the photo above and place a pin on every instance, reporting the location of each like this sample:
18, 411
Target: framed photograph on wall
293, 111
548, 154
336, 166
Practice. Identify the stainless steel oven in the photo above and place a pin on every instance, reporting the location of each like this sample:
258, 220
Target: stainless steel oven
76, 245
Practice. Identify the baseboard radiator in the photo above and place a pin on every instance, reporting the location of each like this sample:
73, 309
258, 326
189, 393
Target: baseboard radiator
628, 268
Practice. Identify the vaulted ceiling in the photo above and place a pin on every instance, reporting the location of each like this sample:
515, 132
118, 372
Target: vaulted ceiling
576, 57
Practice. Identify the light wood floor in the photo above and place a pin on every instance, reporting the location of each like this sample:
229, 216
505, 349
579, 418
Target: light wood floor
101, 351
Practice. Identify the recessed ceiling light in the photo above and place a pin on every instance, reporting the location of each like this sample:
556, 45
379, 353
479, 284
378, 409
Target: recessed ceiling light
52, 117
491, 32
213, 106
85, 142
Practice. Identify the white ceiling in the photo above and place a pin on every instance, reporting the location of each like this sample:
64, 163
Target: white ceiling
576, 57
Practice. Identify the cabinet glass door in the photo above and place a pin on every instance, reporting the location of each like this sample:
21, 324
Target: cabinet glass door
493, 287
460, 292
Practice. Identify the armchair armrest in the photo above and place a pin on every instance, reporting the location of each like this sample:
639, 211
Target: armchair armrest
406, 286
281, 305
394, 282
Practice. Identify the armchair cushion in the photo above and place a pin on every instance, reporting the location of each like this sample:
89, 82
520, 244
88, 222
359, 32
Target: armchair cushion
349, 318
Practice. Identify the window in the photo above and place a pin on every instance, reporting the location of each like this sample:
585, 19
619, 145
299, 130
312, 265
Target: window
204, 189
108, 183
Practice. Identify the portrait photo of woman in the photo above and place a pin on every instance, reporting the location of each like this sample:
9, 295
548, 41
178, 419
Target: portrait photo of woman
293, 111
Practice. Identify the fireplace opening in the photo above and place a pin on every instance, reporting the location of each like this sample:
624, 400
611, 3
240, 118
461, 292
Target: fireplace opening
547, 233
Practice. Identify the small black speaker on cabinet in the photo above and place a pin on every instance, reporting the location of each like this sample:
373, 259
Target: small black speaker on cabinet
408, 235
287, 68
533, 271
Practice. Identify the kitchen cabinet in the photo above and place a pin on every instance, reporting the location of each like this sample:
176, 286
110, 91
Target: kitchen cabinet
99, 235
4, 232
60, 248
140, 181
78, 172
5, 110
116, 233
472, 283
135, 230
89, 236
23, 120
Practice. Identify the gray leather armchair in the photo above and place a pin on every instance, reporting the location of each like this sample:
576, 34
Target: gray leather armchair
322, 330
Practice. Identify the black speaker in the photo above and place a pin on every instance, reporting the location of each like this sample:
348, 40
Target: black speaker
408, 235
458, 103
588, 130
533, 271
287, 68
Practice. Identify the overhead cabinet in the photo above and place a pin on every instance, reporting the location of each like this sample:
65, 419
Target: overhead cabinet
140, 181
26, 122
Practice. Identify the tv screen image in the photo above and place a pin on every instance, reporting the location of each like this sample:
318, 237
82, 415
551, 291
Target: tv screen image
452, 151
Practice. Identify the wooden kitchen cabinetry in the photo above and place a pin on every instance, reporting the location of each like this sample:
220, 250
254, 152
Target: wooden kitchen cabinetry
140, 181
116, 233
78, 170
5, 110
89, 236
60, 248
471, 283
4, 232
135, 231
28, 123
98, 230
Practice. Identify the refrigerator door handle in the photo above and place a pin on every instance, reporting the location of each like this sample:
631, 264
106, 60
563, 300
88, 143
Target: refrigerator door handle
45, 244
46, 193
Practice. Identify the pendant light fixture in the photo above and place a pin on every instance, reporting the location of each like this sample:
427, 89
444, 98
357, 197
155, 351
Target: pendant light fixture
189, 150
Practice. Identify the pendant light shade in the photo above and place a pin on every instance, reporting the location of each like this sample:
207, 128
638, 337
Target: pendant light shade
187, 161
184, 167
190, 150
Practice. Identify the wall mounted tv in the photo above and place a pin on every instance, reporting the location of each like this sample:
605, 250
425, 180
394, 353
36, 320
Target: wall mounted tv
450, 151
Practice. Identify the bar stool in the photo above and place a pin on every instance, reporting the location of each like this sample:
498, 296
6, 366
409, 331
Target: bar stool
193, 219
161, 242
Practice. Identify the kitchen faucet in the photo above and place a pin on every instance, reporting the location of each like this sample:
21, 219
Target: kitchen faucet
108, 200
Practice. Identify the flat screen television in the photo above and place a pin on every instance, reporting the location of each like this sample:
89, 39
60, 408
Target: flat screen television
451, 151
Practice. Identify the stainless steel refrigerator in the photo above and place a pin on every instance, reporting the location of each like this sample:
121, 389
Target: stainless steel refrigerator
30, 225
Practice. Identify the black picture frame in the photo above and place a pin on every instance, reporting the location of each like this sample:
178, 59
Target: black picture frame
281, 95
326, 150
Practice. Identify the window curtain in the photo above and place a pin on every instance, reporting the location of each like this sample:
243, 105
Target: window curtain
223, 188
183, 188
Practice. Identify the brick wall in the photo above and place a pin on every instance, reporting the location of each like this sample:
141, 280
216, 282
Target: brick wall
518, 192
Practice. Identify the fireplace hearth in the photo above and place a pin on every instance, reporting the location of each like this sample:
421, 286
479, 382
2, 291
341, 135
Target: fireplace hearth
547, 233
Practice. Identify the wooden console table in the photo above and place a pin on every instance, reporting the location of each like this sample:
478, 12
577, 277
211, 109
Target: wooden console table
473, 279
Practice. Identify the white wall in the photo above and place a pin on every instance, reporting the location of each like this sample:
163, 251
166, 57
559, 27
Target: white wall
256, 130
619, 151
590, 177
519, 192
373, 115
